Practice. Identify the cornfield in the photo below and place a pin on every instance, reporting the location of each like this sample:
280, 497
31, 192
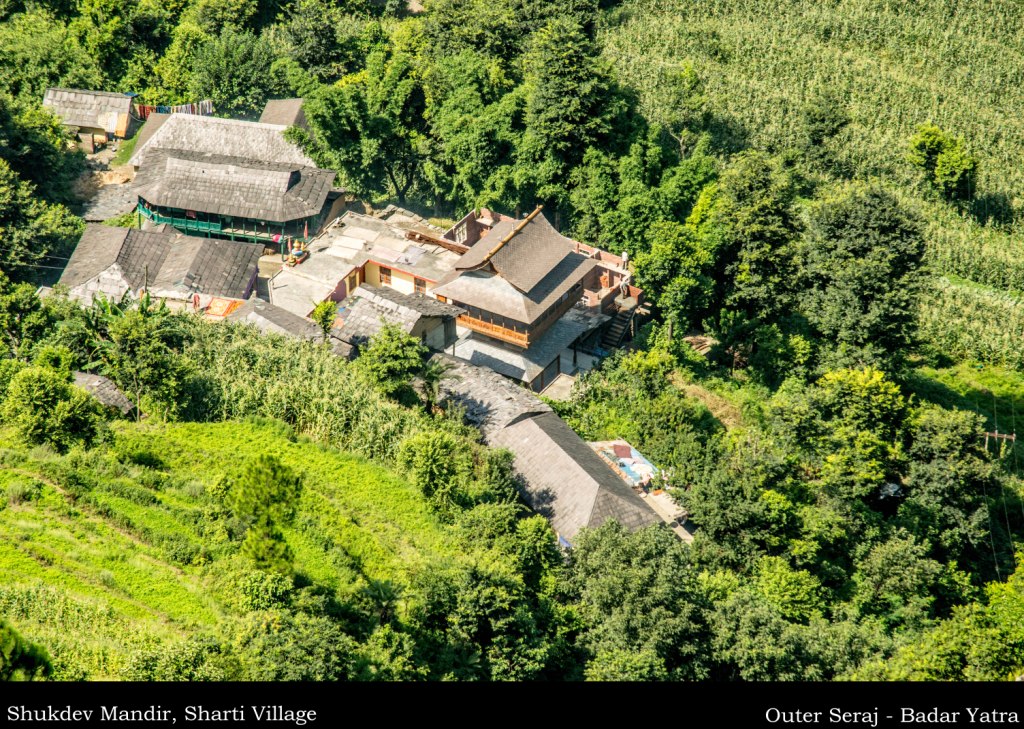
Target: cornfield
893, 65
970, 322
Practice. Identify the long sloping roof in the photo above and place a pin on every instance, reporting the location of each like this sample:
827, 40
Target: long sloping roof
234, 186
229, 137
566, 481
169, 262
81, 108
563, 478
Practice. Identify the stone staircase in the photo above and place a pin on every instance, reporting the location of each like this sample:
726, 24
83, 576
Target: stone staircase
617, 329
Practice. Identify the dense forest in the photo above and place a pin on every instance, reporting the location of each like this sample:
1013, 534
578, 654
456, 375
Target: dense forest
826, 193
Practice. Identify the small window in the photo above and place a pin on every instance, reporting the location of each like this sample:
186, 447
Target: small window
385, 276
420, 285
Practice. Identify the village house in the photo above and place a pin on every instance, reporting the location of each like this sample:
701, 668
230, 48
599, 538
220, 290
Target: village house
231, 180
366, 310
271, 319
534, 303
95, 116
392, 251
182, 270
562, 478
535, 300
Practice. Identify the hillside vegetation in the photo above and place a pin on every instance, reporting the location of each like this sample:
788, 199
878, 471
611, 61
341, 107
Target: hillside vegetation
889, 67
104, 558
825, 194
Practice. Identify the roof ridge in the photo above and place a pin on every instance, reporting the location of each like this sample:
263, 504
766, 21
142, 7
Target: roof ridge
511, 234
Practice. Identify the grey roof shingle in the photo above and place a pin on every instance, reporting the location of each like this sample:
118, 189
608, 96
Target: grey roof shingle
563, 478
173, 264
269, 318
230, 137
420, 303
104, 390
566, 481
206, 266
285, 112
82, 108
529, 256
367, 309
233, 186
524, 277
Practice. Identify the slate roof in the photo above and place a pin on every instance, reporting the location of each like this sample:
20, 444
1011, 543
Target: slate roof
528, 257
566, 481
490, 401
563, 478
273, 319
102, 246
176, 265
367, 309
81, 108
494, 293
285, 112
519, 278
201, 265
421, 303
526, 364
104, 390
232, 186
229, 137
153, 122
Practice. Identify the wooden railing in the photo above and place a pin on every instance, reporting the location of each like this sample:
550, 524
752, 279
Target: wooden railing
494, 330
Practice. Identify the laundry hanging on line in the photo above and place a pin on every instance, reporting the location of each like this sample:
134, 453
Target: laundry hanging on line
200, 108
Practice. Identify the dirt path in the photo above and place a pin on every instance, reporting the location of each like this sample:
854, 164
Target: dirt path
724, 411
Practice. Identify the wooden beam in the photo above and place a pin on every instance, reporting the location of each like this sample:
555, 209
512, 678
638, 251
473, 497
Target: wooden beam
522, 224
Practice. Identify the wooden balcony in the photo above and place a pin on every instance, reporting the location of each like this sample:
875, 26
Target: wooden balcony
520, 339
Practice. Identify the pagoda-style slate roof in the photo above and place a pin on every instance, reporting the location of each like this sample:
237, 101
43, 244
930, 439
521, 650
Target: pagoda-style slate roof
532, 250
518, 270
229, 137
562, 477
233, 186
81, 108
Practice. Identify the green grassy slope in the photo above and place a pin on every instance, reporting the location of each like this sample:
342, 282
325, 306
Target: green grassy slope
893, 65
101, 556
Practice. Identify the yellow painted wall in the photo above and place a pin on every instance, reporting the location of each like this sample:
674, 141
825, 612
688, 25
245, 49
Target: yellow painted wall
400, 281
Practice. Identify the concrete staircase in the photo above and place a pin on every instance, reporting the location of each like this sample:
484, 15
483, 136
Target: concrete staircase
617, 329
